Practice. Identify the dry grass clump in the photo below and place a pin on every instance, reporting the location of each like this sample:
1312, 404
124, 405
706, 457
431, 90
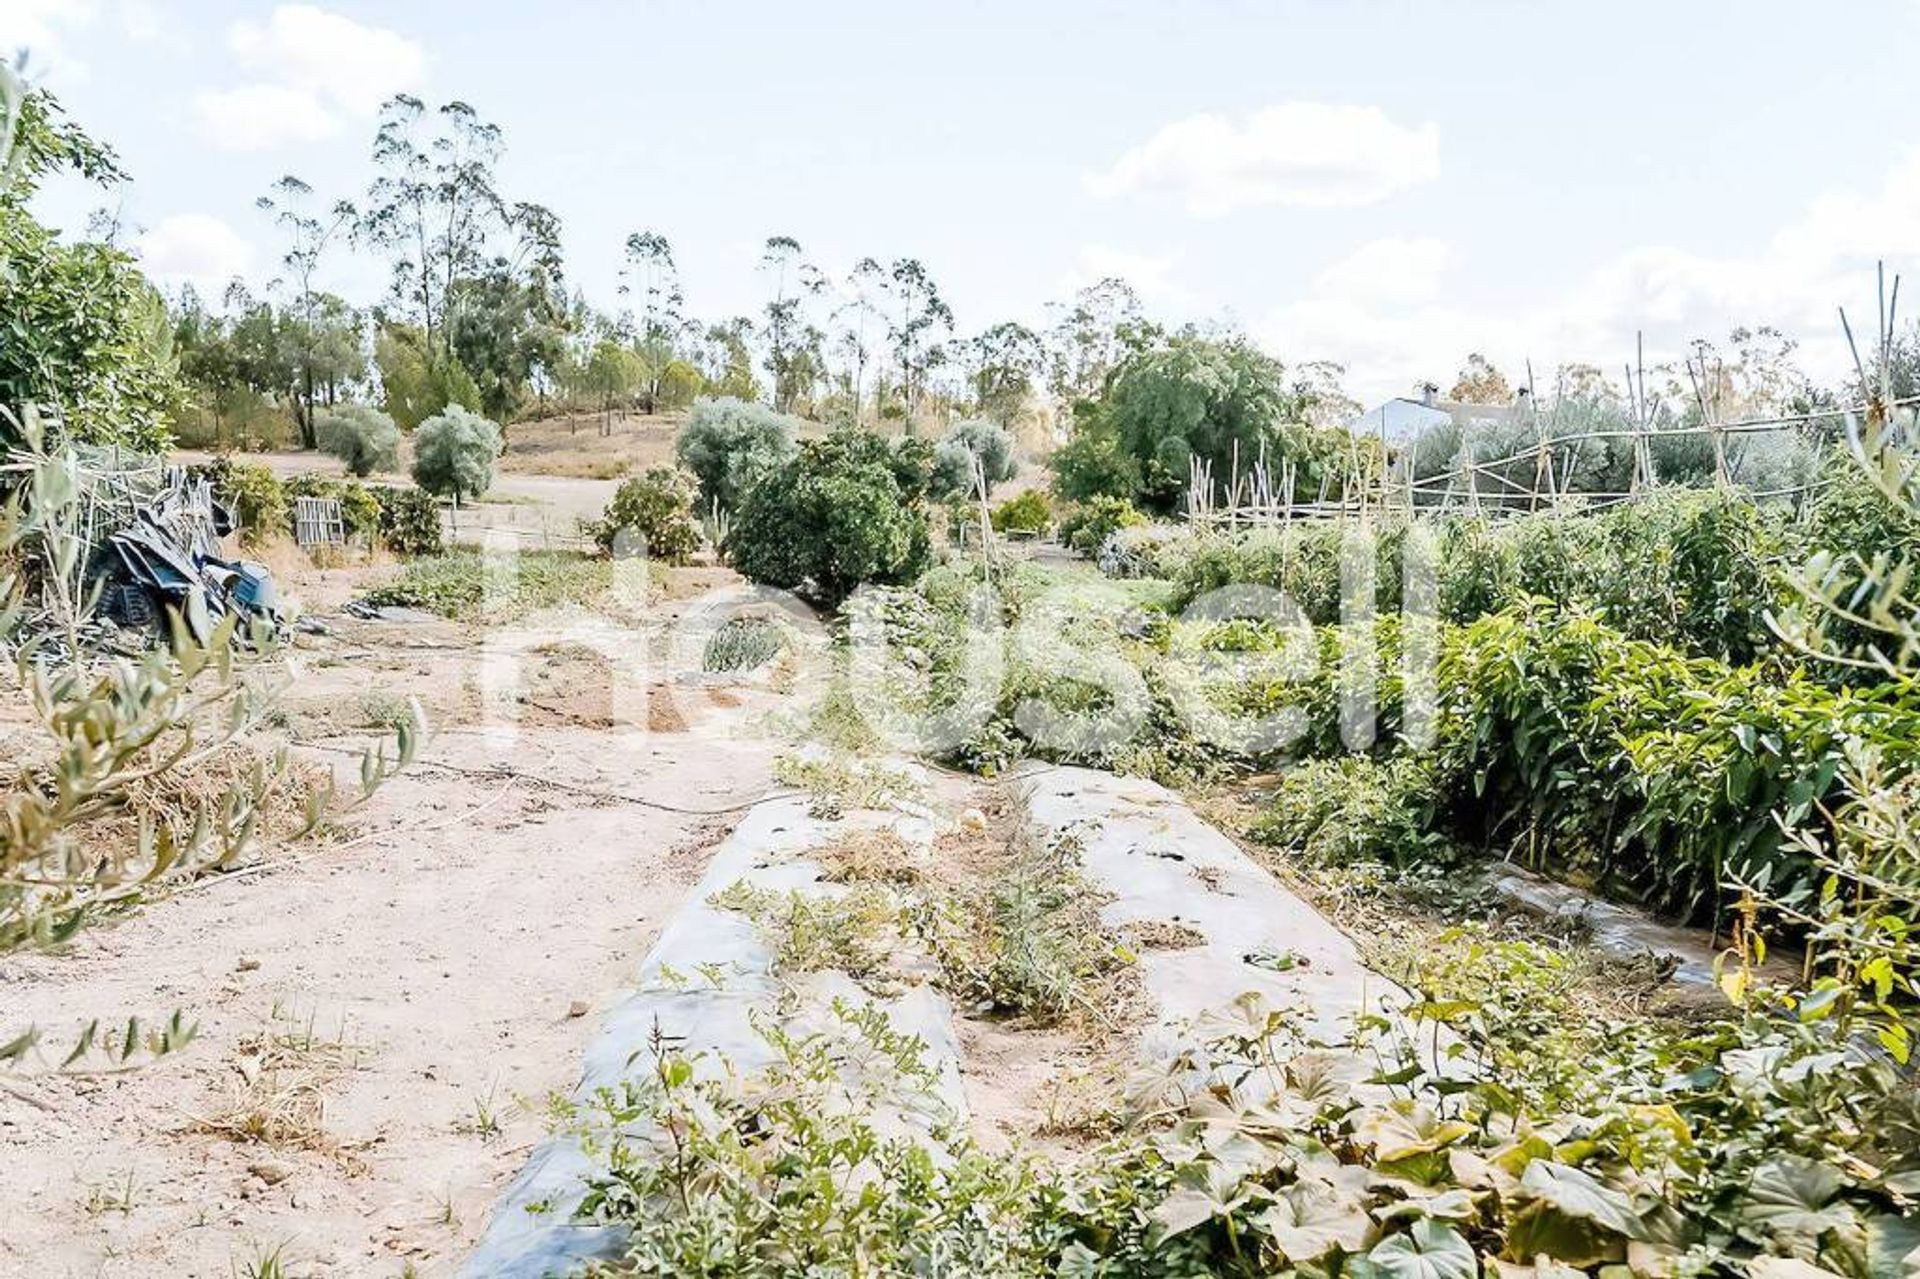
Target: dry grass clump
1164, 934
871, 857
276, 1095
1023, 939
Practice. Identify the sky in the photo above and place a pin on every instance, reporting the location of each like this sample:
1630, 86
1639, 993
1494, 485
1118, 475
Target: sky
1390, 185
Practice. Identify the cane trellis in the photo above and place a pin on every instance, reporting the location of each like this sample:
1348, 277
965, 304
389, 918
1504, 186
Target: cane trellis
1534, 478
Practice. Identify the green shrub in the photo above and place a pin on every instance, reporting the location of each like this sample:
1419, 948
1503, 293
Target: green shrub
730, 445
658, 508
462, 584
1028, 513
364, 438
359, 509
85, 334
1086, 530
953, 457
847, 510
453, 454
1701, 570
259, 502
409, 521
1355, 808
743, 644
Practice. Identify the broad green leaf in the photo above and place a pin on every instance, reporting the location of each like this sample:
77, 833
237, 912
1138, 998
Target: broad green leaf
1428, 1251
1893, 1247
1579, 1194
1309, 1220
1790, 1195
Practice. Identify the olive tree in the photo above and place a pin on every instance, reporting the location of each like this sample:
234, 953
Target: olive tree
969, 440
453, 454
730, 444
361, 436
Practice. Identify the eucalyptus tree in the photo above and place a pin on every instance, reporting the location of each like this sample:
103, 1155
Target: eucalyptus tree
650, 273
915, 325
794, 343
310, 234
433, 205
1003, 365
1091, 333
507, 323
728, 356
858, 319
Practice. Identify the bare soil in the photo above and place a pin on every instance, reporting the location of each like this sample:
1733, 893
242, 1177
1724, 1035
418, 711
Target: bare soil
388, 1006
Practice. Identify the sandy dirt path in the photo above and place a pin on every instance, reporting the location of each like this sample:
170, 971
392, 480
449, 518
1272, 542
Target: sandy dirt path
427, 979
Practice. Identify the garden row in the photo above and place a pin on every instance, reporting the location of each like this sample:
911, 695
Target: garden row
1708, 572
1546, 733
1502, 1124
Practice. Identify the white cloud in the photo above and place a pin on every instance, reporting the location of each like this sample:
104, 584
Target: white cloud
311, 70
197, 249
1820, 260
42, 28
256, 117
1310, 154
351, 66
141, 21
1149, 274
1395, 269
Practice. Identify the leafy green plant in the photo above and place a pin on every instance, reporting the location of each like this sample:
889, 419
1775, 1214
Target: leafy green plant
848, 510
807, 932
86, 337
657, 509
409, 521
1357, 808
1089, 525
731, 445
258, 499
1028, 513
792, 1172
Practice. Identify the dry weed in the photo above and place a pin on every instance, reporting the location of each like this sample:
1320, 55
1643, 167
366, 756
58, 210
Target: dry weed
276, 1095
870, 856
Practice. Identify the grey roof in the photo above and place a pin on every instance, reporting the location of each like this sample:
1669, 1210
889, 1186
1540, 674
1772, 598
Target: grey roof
1399, 418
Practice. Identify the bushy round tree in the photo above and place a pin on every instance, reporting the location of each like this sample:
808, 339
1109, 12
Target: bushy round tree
972, 438
656, 508
361, 436
730, 444
846, 510
1221, 400
453, 454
